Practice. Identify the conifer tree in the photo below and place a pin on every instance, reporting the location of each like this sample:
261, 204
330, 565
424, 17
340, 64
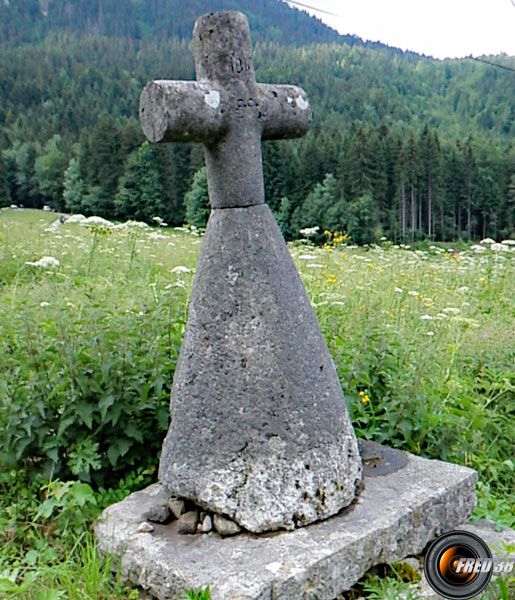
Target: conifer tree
197, 200
73, 186
140, 195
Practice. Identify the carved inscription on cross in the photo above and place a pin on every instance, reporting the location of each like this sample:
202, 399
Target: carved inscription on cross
226, 110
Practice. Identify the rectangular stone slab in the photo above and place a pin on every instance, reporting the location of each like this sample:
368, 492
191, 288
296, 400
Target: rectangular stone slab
396, 515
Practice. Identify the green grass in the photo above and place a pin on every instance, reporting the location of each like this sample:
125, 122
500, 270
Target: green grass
422, 340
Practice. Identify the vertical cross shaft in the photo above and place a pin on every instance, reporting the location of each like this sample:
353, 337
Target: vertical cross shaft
259, 430
226, 110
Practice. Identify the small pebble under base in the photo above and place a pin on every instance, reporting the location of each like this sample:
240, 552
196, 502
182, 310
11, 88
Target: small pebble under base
407, 501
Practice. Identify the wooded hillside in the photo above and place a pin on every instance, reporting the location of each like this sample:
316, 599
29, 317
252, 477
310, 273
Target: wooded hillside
401, 145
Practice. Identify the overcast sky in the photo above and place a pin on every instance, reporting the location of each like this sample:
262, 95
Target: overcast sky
440, 28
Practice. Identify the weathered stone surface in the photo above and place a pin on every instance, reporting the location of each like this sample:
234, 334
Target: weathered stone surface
225, 109
225, 526
154, 504
260, 430
396, 515
188, 522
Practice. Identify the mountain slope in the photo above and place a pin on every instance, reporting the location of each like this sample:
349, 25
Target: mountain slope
270, 20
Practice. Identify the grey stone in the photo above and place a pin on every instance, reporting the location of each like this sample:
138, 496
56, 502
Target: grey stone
396, 515
206, 524
153, 504
160, 513
260, 430
177, 507
225, 526
413, 562
145, 527
188, 522
225, 109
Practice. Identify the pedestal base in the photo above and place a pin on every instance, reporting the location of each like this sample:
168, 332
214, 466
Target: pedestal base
407, 501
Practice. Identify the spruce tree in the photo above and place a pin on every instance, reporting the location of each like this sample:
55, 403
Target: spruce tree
140, 194
74, 189
197, 200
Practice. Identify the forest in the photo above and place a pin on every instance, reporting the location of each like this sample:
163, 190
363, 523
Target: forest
402, 145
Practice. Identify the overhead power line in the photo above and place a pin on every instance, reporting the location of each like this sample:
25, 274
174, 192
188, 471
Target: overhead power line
312, 8
492, 64
487, 62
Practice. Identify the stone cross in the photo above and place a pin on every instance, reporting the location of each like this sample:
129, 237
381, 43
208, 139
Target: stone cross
259, 431
226, 110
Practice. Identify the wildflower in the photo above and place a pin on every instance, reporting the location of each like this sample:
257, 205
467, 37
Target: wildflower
364, 398
500, 248
307, 257
44, 304
426, 318
430, 333
508, 242
331, 279
398, 290
180, 269
96, 221
314, 266
428, 303
413, 293
75, 219
482, 279
463, 289
309, 231
45, 262
487, 241
452, 311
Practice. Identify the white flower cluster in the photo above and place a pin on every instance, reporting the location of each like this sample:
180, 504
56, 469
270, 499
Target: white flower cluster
99, 221
44, 262
309, 231
74, 219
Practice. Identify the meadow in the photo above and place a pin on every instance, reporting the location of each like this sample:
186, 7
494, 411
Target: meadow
423, 340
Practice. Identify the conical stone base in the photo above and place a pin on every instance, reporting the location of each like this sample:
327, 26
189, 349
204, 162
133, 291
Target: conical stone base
260, 431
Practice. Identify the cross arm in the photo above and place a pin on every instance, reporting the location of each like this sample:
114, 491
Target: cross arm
286, 111
181, 111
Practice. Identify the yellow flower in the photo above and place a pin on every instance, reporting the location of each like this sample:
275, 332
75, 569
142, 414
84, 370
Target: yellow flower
331, 279
365, 399
427, 303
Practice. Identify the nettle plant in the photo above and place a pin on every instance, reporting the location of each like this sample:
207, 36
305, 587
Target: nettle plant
86, 390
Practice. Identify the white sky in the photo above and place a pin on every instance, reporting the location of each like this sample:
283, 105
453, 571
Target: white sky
440, 28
